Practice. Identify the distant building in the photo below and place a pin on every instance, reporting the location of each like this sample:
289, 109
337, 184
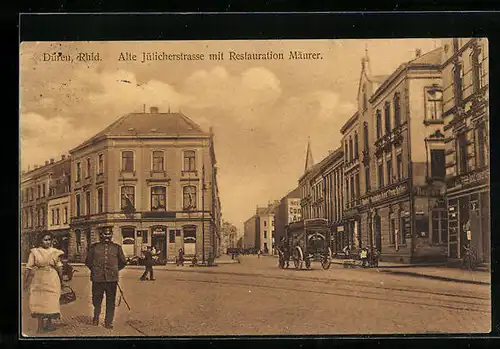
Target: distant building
260, 228
250, 232
228, 236
288, 211
466, 133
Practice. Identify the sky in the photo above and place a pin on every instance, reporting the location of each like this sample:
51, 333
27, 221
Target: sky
262, 111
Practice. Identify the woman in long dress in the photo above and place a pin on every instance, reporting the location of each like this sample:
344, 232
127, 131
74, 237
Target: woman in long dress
43, 279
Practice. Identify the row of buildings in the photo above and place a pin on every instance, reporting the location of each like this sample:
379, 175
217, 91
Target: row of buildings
151, 177
411, 175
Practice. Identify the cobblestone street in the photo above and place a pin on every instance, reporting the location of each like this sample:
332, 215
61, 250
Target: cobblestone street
257, 298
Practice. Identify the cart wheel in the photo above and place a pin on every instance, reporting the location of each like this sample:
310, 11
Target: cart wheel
326, 262
297, 258
308, 263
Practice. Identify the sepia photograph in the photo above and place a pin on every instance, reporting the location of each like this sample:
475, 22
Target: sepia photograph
254, 187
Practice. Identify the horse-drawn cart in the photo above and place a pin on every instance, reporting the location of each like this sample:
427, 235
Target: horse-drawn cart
306, 241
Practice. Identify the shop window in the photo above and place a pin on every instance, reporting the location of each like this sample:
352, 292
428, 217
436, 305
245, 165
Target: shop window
127, 161
127, 197
171, 236
439, 227
158, 199
128, 236
422, 226
438, 169
189, 197
189, 160
158, 161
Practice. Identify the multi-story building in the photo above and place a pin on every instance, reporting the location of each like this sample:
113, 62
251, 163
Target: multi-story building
151, 177
403, 161
351, 182
34, 199
259, 229
286, 212
466, 129
250, 232
228, 236
332, 172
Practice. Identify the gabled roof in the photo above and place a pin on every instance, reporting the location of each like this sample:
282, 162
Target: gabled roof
149, 124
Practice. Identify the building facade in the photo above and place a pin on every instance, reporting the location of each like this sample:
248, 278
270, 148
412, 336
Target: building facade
228, 236
151, 177
466, 129
250, 232
38, 190
286, 212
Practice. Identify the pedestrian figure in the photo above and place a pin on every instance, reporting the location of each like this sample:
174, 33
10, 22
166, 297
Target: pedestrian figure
180, 257
346, 251
43, 280
258, 253
364, 257
148, 263
105, 259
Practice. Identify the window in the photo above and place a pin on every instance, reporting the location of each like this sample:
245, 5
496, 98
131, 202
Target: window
347, 191
397, 111
53, 217
32, 217
65, 215
127, 161
78, 239
346, 152
43, 190
158, 158
457, 79
127, 197
365, 136
392, 232
380, 175
100, 200
58, 221
158, 199
145, 236
482, 146
367, 178
434, 104
189, 160
350, 149
439, 227
379, 124
128, 236
265, 223
399, 164
356, 181
89, 168
356, 155
100, 164
78, 172
438, 169
265, 234
353, 194
476, 67
87, 203
189, 195
39, 192
387, 114
78, 208
171, 236
389, 171
462, 153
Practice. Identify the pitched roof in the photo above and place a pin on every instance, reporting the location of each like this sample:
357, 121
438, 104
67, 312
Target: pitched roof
430, 58
309, 158
149, 124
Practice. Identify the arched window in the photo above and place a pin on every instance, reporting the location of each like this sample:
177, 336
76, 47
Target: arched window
158, 199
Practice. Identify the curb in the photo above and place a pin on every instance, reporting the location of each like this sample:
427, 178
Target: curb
436, 277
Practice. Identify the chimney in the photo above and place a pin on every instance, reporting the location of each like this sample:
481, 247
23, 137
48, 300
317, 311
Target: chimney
63, 157
52, 160
153, 110
46, 162
418, 52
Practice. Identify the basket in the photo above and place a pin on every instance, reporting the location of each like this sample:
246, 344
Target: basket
67, 295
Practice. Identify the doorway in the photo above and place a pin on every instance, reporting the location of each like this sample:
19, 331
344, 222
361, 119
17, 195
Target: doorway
189, 240
159, 242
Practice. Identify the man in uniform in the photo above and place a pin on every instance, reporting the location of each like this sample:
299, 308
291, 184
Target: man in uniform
104, 260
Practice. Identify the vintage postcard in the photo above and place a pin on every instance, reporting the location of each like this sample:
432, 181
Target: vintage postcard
254, 187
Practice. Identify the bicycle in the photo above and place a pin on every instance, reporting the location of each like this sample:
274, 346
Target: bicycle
469, 258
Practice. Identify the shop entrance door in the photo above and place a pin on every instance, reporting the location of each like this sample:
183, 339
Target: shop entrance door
159, 242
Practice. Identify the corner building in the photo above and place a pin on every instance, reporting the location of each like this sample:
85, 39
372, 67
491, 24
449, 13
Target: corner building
152, 177
401, 203
466, 117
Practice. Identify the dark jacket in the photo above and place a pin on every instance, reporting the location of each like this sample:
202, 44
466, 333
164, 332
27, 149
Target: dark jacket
148, 258
104, 261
